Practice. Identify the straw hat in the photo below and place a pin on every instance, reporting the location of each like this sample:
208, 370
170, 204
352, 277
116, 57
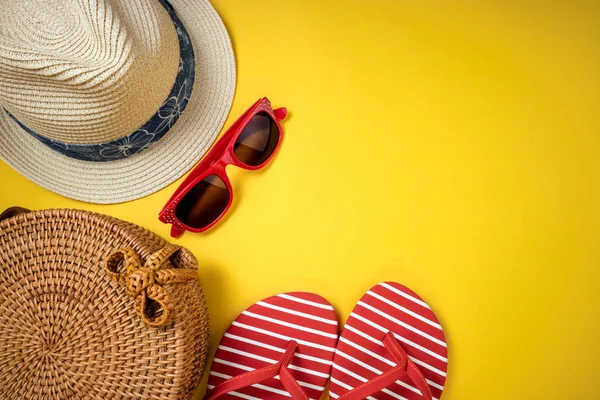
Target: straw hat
93, 92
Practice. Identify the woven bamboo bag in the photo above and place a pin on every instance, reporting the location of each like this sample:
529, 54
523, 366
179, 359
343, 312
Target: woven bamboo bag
92, 307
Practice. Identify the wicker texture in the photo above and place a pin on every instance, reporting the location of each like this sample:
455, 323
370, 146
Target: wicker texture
70, 330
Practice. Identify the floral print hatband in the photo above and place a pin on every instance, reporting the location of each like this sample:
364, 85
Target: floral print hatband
156, 127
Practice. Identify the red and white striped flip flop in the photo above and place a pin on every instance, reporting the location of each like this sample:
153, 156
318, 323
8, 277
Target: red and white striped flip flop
392, 347
280, 347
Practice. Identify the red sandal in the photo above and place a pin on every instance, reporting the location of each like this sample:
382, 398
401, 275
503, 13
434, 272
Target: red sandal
280, 347
392, 347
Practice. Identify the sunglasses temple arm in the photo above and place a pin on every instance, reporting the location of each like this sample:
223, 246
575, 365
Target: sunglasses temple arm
280, 113
176, 231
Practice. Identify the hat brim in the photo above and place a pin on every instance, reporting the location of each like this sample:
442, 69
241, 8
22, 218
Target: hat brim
165, 161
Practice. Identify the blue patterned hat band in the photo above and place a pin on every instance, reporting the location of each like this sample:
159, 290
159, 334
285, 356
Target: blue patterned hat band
155, 128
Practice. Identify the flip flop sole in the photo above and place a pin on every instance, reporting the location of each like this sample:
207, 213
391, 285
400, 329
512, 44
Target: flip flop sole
361, 355
259, 336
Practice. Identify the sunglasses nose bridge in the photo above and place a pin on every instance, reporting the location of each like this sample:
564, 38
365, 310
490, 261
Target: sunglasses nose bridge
228, 158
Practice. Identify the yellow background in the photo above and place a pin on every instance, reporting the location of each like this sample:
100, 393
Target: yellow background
452, 147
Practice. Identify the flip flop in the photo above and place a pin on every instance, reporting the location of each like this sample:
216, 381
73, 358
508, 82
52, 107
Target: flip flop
280, 347
392, 347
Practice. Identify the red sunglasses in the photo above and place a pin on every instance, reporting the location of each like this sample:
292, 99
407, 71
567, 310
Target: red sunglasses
206, 194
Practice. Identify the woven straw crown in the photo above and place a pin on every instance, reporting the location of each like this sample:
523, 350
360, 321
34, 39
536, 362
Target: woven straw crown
86, 71
111, 100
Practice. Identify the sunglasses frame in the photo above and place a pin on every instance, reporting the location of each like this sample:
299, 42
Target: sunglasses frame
215, 162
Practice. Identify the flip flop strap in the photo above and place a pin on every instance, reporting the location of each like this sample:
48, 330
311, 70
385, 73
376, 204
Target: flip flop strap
261, 375
403, 368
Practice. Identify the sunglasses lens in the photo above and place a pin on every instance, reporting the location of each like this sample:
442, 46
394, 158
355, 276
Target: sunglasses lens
204, 203
257, 141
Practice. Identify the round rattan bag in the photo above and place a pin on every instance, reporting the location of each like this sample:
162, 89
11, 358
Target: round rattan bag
92, 307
